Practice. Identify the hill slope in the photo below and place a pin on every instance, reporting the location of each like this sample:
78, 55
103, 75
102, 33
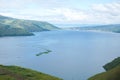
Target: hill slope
8, 30
112, 71
14, 27
18, 73
113, 74
113, 64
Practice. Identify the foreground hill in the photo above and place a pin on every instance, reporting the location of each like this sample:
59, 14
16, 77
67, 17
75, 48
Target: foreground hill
113, 74
18, 27
108, 28
113, 64
18, 73
112, 71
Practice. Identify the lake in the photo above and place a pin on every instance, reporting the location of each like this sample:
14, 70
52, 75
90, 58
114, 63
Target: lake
75, 55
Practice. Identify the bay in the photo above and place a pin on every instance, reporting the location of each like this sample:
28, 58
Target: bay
75, 55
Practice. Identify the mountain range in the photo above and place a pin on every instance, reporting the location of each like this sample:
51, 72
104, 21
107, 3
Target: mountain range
19, 27
107, 28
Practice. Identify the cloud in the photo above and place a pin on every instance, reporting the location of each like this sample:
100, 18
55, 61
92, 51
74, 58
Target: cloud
11, 4
56, 11
112, 9
68, 14
72, 14
107, 13
20, 4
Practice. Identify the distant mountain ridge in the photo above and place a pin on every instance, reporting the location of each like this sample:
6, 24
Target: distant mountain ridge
19, 27
108, 28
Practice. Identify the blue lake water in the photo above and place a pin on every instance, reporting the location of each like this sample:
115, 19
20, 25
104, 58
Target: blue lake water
76, 55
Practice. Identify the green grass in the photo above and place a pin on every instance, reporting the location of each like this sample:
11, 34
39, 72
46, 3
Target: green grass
18, 73
112, 71
112, 64
6, 77
113, 74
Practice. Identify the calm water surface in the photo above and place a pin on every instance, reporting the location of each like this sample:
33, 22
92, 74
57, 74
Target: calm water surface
76, 55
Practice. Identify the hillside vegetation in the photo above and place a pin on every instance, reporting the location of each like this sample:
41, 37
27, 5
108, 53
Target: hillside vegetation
112, 73
18, 73
113, 64
8, 30
19, 27
109, 28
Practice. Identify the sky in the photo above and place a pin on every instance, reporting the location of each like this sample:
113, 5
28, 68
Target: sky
64, 11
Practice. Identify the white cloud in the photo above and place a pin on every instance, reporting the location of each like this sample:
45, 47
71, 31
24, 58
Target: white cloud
98, 13
107, 8
20, 4
68, 14
107, 13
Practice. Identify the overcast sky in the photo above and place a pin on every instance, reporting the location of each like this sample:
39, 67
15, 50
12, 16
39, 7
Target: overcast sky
64, 11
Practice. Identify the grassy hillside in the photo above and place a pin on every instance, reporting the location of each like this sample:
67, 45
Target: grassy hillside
18, 73
112, 64
112, 73
15, 27
8, 30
